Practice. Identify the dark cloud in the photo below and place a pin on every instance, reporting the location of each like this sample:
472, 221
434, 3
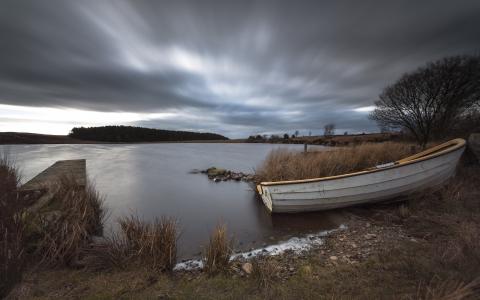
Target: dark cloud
236, 67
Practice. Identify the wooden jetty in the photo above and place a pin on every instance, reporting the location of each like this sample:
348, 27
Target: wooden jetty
46, 181
75, 169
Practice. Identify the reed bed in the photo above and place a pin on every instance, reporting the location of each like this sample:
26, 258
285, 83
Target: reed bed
282, 164
218, 251
12, 227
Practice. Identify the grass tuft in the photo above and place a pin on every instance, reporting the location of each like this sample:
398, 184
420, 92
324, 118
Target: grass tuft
265, 272
218, 251
153, 244
140, 244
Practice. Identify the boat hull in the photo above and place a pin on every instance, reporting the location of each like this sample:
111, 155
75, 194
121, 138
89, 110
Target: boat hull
360, 188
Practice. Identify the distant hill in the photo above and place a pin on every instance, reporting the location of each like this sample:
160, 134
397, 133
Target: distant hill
131, 134
34, 138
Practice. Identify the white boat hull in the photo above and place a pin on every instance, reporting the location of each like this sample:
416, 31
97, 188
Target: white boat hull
361, 187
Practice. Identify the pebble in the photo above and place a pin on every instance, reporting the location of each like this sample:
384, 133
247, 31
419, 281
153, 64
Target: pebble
247, 268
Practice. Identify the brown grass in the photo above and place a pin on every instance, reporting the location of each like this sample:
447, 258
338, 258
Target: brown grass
110, 254
218, 251
265, 272
139, 244
283, 164
451, 290
154, 244
12, 227
446, 224
65, 225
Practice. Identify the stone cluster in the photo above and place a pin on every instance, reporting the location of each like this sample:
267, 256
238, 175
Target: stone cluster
218, 175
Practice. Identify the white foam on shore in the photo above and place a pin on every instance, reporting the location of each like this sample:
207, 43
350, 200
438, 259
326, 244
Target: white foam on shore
294, 244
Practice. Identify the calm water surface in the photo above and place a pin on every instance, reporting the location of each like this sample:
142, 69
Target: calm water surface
153, 180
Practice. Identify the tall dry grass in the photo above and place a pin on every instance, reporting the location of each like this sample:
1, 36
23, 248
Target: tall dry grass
282, 164
154, 244
141, 244
12, 227
65, 225
218, 251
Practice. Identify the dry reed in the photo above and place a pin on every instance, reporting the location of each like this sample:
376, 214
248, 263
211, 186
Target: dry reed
218, 251
282, 164
12, 227
152, 244
65, 225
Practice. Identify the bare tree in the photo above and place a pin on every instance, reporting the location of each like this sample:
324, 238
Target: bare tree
329, 129
429, 101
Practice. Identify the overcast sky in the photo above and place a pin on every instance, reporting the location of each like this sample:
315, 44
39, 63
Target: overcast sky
231, 67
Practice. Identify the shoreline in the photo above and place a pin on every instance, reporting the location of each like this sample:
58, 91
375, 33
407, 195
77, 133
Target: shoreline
25, 138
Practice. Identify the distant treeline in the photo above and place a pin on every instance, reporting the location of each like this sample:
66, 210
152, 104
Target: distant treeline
138, 134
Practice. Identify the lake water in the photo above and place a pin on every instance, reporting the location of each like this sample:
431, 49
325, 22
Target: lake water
153, 180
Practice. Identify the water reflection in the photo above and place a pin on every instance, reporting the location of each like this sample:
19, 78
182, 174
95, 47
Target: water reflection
154, 180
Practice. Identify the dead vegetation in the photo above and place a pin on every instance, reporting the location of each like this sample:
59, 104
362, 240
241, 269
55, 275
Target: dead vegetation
436, 257
52, 235
283, 164
152, 245
64, 226
12, 227
218, 251
445, 225
265, 272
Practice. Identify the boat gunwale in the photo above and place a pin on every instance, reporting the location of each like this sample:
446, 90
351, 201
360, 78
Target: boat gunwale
428, 154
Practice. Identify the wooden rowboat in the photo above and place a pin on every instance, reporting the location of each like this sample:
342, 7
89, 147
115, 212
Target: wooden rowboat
422, 170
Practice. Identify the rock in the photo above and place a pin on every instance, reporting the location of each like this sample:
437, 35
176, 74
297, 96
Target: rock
216, 179
474, 144
333, 257
370, 236
216, 171
247, 268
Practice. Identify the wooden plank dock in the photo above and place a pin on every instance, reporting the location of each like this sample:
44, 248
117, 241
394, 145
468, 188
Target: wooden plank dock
71, 168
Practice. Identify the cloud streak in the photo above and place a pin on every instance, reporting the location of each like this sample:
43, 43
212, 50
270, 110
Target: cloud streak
235, 67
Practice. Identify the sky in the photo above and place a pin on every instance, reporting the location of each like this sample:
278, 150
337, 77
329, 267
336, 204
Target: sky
232, 67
